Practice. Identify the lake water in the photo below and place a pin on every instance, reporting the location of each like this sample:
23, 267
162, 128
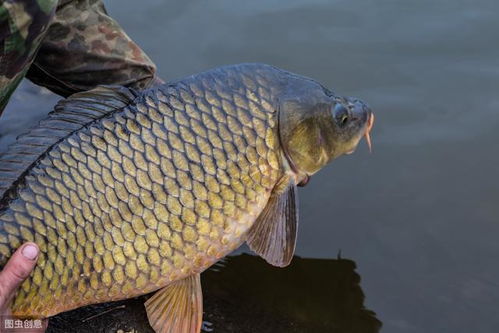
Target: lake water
420, 215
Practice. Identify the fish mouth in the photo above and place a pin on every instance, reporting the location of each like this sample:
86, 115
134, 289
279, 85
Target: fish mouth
369, 126
367, 130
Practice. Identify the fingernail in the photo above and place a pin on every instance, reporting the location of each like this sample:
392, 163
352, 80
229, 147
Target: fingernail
30, 252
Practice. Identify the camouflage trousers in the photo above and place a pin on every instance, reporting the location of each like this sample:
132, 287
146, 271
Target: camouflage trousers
66, 46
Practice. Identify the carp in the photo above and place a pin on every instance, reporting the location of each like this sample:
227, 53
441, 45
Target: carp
126, 193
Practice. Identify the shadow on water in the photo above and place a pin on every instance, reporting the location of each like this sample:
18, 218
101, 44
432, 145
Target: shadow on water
245, 294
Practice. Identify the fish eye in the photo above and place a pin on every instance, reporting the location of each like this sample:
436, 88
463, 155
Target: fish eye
340, 113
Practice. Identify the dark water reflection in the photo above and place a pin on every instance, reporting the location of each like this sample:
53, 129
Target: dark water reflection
244, 294
420, 216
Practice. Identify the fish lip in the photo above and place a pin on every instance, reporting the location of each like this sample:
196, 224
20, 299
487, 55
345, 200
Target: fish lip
364, 133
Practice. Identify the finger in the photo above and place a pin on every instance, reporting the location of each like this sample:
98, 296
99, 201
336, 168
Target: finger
17, 270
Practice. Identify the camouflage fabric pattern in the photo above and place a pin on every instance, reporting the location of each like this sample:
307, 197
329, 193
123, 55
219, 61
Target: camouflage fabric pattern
23, 24
67, 46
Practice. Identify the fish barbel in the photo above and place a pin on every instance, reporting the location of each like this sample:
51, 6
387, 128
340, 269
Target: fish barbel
370, 124
126, 193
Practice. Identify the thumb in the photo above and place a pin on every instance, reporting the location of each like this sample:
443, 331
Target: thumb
16, 271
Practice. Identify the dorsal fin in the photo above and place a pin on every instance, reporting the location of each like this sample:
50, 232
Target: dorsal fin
68, 116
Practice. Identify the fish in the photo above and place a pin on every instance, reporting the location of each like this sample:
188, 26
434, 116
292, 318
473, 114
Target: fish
127, 192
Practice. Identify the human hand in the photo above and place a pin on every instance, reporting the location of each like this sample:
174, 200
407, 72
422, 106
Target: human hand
17, 269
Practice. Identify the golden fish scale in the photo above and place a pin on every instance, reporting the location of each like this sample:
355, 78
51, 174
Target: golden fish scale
148, 195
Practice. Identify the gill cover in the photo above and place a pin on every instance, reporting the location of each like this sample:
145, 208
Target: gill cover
305, 129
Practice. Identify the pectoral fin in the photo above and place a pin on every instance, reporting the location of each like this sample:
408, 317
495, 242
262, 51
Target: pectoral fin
177, 307
273, 236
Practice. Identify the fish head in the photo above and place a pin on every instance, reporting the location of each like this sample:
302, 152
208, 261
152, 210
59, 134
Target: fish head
316, 126
353, 119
